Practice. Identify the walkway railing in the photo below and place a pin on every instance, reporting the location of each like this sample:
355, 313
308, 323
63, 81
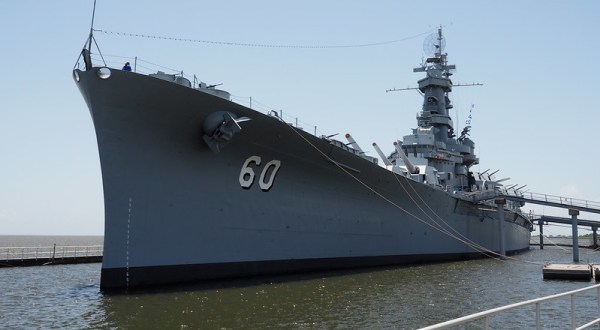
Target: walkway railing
535, 198
50, 252
486, 315
557, 200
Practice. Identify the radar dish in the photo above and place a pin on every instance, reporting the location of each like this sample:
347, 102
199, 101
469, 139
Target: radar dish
434, 44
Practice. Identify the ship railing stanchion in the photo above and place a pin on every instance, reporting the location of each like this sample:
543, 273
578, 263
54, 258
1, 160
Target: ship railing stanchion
573, 322
598, 295
538, 316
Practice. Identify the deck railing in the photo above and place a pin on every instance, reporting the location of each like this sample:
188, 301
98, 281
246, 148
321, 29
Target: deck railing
143, 66
486, 315
50, 252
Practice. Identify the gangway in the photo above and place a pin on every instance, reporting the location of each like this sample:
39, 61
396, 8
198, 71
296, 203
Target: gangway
545, 219
542, 199
574, 206
555, 201
566, 221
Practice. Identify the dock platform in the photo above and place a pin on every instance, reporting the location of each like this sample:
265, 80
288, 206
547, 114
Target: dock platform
568, 272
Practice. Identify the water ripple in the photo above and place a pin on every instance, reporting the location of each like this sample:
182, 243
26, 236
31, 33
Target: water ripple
68, 296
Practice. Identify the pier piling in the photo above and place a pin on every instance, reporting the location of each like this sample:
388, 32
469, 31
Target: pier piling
541, 223
574, 213
500, 203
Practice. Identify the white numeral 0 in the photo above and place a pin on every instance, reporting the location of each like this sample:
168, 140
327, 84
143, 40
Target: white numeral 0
247, 173
265, 186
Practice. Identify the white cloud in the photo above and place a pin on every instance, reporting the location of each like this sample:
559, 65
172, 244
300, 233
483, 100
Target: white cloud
571, 190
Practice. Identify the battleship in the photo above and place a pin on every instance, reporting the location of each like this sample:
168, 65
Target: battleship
200, 188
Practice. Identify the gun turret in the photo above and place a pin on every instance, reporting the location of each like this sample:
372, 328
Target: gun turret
353, 143
409, 166
385, 160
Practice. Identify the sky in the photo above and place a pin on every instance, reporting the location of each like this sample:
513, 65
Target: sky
533, 118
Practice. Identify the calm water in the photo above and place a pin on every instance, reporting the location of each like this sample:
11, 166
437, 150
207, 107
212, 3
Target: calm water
68, 296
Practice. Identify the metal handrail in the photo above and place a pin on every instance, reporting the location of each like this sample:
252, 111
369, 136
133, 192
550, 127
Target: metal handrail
561, 200
50, 252
556, 199
486, 315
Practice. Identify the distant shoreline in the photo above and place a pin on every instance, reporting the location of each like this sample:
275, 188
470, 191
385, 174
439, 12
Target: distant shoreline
50, 240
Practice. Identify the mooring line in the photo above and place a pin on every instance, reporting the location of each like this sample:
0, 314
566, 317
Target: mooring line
467, 242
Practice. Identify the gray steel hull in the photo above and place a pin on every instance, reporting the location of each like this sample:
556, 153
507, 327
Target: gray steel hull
177, 212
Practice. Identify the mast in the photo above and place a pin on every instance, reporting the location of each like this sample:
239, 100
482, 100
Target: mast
435, 88
92, 28
87, 47
433, 144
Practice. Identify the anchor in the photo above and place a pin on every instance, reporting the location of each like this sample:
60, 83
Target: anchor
219, 128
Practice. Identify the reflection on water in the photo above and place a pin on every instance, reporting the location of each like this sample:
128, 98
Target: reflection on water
398, 298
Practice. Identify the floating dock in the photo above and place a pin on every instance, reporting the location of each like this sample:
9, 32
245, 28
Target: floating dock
569, 272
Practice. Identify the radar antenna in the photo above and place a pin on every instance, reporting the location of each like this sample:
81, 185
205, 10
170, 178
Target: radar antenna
434, 44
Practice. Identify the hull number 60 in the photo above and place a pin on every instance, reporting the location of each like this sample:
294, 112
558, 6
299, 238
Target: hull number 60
267, 175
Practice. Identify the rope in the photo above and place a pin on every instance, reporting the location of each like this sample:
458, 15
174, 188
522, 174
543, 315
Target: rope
262, 45
464, 239
482, 249
467, 242
553, 242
